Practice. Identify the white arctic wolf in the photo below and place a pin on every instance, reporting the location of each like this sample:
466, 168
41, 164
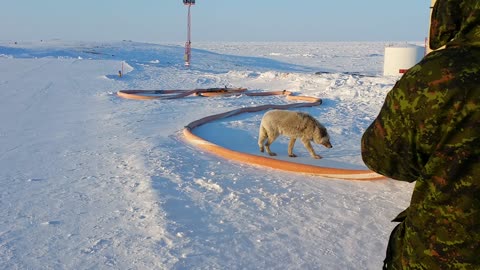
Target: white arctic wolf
294, 125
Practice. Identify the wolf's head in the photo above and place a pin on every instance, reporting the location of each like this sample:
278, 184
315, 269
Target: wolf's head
321, 136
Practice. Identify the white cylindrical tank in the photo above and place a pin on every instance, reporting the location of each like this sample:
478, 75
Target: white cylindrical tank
400, 58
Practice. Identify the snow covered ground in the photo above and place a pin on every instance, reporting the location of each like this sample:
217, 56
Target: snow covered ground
92, 181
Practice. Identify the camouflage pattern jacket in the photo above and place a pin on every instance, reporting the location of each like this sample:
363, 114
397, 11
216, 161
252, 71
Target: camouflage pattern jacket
428, 131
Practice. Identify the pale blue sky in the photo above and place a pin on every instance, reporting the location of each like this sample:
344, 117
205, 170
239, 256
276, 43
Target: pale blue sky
215, 20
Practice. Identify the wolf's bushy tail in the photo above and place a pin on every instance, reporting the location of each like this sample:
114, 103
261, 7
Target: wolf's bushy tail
262, 136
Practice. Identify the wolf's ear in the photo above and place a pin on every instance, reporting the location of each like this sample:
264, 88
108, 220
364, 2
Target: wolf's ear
323, 131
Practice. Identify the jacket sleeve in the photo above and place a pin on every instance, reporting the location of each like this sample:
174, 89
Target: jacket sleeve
389, 143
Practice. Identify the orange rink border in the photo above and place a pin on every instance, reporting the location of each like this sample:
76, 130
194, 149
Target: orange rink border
337, 173
327, 172
208, 92
173, 94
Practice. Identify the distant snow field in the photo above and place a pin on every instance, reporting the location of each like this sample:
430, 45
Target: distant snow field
93, 181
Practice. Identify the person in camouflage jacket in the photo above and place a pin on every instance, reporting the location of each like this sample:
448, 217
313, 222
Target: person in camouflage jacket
428, 131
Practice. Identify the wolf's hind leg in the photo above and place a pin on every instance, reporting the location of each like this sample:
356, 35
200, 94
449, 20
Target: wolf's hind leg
262, 136
290, 147
271, 138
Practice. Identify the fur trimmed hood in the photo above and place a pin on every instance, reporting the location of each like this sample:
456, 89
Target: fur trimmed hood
455, 23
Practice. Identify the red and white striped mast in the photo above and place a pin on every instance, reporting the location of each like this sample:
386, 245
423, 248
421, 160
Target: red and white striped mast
188, 48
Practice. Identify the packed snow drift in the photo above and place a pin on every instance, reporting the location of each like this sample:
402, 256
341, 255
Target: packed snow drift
93, 181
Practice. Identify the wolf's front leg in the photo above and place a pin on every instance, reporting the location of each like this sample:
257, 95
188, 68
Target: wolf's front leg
309, 147
290, 147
